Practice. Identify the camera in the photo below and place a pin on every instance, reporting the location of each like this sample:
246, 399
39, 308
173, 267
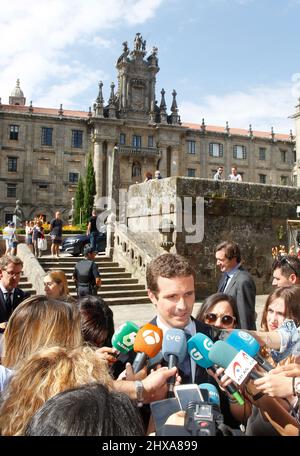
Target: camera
205, 419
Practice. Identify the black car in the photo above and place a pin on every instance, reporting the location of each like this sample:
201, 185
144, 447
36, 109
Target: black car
75, 244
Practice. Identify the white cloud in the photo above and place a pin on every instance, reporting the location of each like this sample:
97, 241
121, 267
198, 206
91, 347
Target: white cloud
39, 35
262, 107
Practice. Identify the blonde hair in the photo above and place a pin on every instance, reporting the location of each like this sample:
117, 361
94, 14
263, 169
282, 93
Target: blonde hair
40, 322
43, 375
59, 277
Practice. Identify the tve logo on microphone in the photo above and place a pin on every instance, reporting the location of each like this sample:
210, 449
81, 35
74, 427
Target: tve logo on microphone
173, 337
240, 367
151, 337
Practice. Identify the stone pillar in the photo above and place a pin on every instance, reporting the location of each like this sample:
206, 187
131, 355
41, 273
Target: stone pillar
175, 164
163, 162
98, 158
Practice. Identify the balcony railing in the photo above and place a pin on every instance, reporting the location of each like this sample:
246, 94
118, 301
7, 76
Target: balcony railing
139, 151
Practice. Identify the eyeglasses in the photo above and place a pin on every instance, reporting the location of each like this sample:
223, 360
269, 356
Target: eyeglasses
284, 260
226, 320
12, 274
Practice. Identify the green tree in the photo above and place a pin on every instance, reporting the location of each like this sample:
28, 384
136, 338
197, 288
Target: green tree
79, 201
90, 190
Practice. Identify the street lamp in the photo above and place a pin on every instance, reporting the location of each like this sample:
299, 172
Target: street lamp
166, 229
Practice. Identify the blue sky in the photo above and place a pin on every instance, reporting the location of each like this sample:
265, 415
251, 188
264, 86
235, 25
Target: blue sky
228, 60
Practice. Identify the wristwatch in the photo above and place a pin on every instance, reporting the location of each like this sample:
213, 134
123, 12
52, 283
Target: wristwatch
139, 393
296, 386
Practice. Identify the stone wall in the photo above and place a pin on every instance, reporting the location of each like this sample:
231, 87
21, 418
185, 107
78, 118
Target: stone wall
254, 215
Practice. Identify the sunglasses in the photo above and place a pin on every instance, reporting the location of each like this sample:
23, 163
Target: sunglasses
284, 260
226, 320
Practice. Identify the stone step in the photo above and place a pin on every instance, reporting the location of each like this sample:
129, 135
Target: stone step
122, 294
70, 259
59, 265
107, 275
102, 270
118, 287
123, 301
25, 285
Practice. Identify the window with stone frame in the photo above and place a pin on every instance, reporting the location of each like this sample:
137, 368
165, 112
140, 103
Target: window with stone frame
262, 153
191, 172
122, 139
73, 178
283, 155
77, 136
262, 178
284, 180
12, 164
14, 132
216, 150
239, 152
295, 180
11, 190
191, 147
137, 141
150, 141
47, 134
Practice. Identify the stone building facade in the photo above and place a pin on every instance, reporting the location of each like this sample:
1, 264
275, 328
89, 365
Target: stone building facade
43, 151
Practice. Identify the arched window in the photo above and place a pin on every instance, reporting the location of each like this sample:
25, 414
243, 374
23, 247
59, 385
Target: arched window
136, 169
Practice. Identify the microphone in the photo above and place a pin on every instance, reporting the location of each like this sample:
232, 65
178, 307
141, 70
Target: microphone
147, 344
242, 340
212, 393
123, 338
199, 347
238, 364
174, 351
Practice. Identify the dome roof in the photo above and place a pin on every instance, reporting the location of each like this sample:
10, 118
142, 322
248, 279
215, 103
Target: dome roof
17, 92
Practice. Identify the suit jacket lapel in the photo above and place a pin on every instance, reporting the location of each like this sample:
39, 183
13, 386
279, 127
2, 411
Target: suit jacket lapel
232, 281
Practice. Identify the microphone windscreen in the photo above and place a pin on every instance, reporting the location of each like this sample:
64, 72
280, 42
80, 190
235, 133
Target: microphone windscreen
123, 338
174, 343
242, 340
198, 347
148, 340
222, 353
213, 394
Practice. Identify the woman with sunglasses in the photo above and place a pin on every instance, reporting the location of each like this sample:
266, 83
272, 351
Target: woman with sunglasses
219, 310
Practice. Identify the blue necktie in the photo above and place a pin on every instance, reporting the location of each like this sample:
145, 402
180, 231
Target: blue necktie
224, 283
8, 302
185, 366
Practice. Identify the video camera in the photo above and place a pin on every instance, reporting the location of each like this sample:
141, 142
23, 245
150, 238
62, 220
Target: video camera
202, 419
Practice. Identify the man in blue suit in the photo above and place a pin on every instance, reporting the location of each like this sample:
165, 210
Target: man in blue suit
171, 288
10, 295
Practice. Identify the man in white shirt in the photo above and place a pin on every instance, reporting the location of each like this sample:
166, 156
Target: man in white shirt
234, 176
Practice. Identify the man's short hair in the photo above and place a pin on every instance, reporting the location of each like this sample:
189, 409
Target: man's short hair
232, 250
288, 264
167, 265
5, 260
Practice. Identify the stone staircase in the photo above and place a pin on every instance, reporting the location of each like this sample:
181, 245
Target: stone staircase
117, 288
26, 286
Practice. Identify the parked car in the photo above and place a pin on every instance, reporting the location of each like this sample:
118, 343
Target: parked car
75, 244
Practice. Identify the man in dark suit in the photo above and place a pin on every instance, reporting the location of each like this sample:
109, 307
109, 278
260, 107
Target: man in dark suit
10, 295
171, 288
237, 283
